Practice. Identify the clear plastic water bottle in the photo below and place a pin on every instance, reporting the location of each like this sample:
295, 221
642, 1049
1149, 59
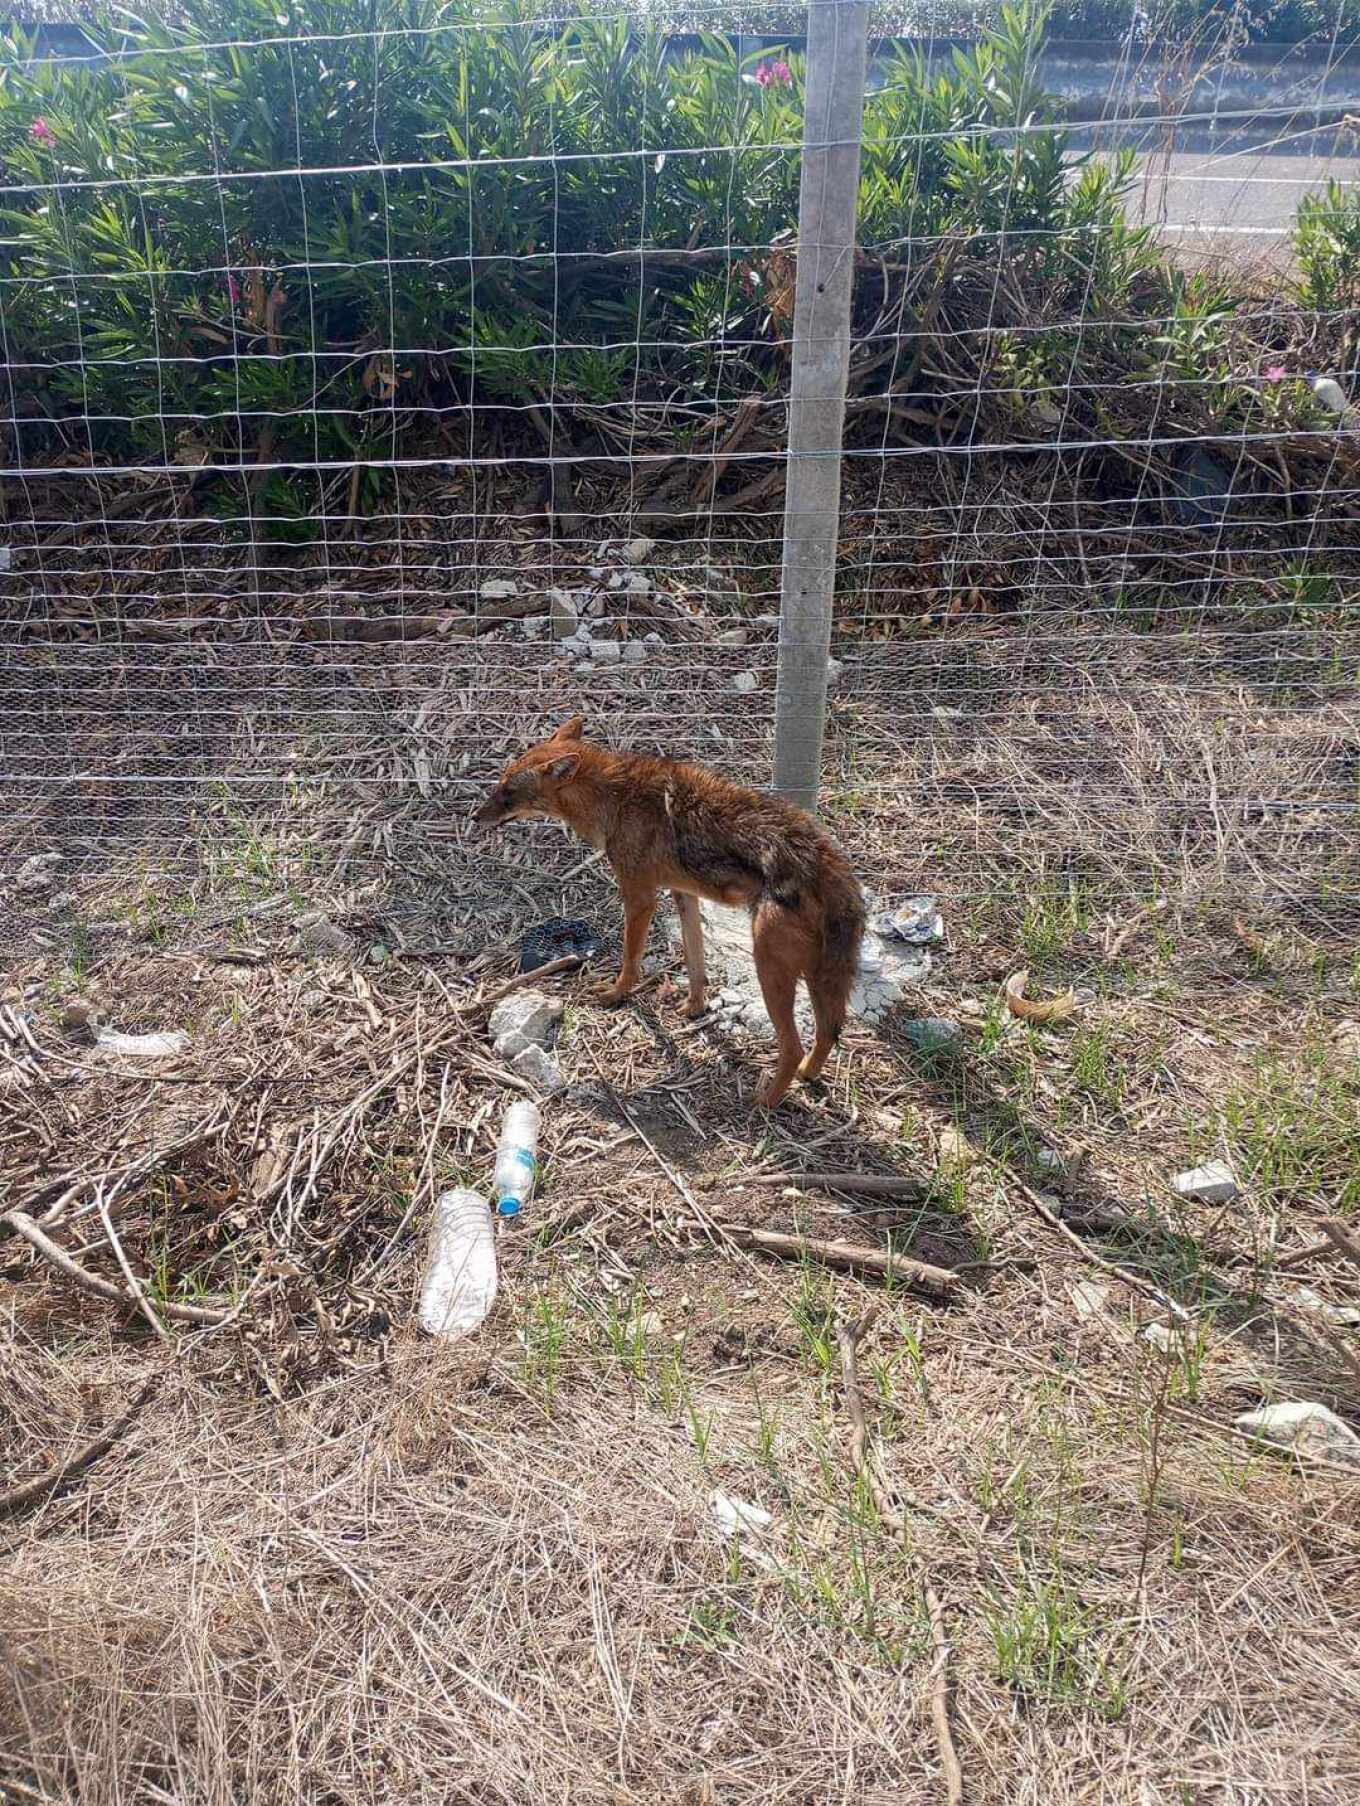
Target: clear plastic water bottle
517, 1157
459, 1286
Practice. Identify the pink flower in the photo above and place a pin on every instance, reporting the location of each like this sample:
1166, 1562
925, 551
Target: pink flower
41, 133
767, 74
1275, 373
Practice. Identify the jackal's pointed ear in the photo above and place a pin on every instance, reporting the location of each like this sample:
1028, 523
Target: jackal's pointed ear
571, 730
561, 768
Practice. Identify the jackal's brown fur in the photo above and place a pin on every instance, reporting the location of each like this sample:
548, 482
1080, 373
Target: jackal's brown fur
667, 825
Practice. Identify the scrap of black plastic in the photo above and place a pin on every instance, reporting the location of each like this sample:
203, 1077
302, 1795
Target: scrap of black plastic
557, 938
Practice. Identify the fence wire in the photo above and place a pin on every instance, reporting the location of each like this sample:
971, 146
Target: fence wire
376, 398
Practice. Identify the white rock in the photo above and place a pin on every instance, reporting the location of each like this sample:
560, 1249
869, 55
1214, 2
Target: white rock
1088, 1298
142, 1047
1347, 1314
596, 571
652, 639
617, 580
1330, 393
634, 652
37, 872
738, 1517
1048, 1160
576, 645
539, 1068
1212, 1183
1310, 1428
498, 589
524, 1019
638, 549
870, 953
64, 900
650, 1324
606, 652
638, 584
562, 614
733, 636
745, 681
533, 627
834, 667
595, 607
1161, 1337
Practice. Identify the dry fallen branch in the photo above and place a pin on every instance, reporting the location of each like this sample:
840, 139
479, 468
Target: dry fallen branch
935, 1282
939, 1700
1342, 1238
1052, 1009
1089, 1255
869, 1185
862, 1457
91, 1283
32, 1491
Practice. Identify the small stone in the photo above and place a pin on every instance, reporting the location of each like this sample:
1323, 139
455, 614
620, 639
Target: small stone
732, 636
64, 900
1308, 1427
576, 645
498, 589
750, 1295
524, 1019
933, 1034
1088, 1298
650, 1324
634, 652
955, 1147
597, 571
583, 666
1212, 1183
834, 668
638, 549
652, 639
1346, 1314
606, 652
686, 1302
943, 714
617, 580
638, 584
539, 1068
744, 682
533, 627
562, 614
1161, 1337
77, 1014
1049, 1161
595, 607
1346, 1039
36, 873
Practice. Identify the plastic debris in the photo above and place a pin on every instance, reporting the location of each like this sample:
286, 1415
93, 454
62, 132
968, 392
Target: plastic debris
557, 938
459, 1285
517, 1157
917, 920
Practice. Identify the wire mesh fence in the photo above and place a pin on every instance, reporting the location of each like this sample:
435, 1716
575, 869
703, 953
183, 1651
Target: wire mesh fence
378, 392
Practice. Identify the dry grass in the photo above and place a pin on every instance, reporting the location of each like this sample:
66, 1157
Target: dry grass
334, 1563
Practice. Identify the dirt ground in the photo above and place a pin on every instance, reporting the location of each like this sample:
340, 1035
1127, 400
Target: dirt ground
326, 1560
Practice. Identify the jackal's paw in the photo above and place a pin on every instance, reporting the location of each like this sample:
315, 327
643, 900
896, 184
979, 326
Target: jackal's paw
611, 995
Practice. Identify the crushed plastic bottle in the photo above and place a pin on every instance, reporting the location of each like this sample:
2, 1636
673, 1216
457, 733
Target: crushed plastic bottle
517, 1157
459, 1286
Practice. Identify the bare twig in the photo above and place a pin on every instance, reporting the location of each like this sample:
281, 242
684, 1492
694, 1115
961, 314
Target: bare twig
1342, 1238
939, 1700
936, 1282
1089, 1255
23, 1225
848, 1339
869, 1185
85, 1456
